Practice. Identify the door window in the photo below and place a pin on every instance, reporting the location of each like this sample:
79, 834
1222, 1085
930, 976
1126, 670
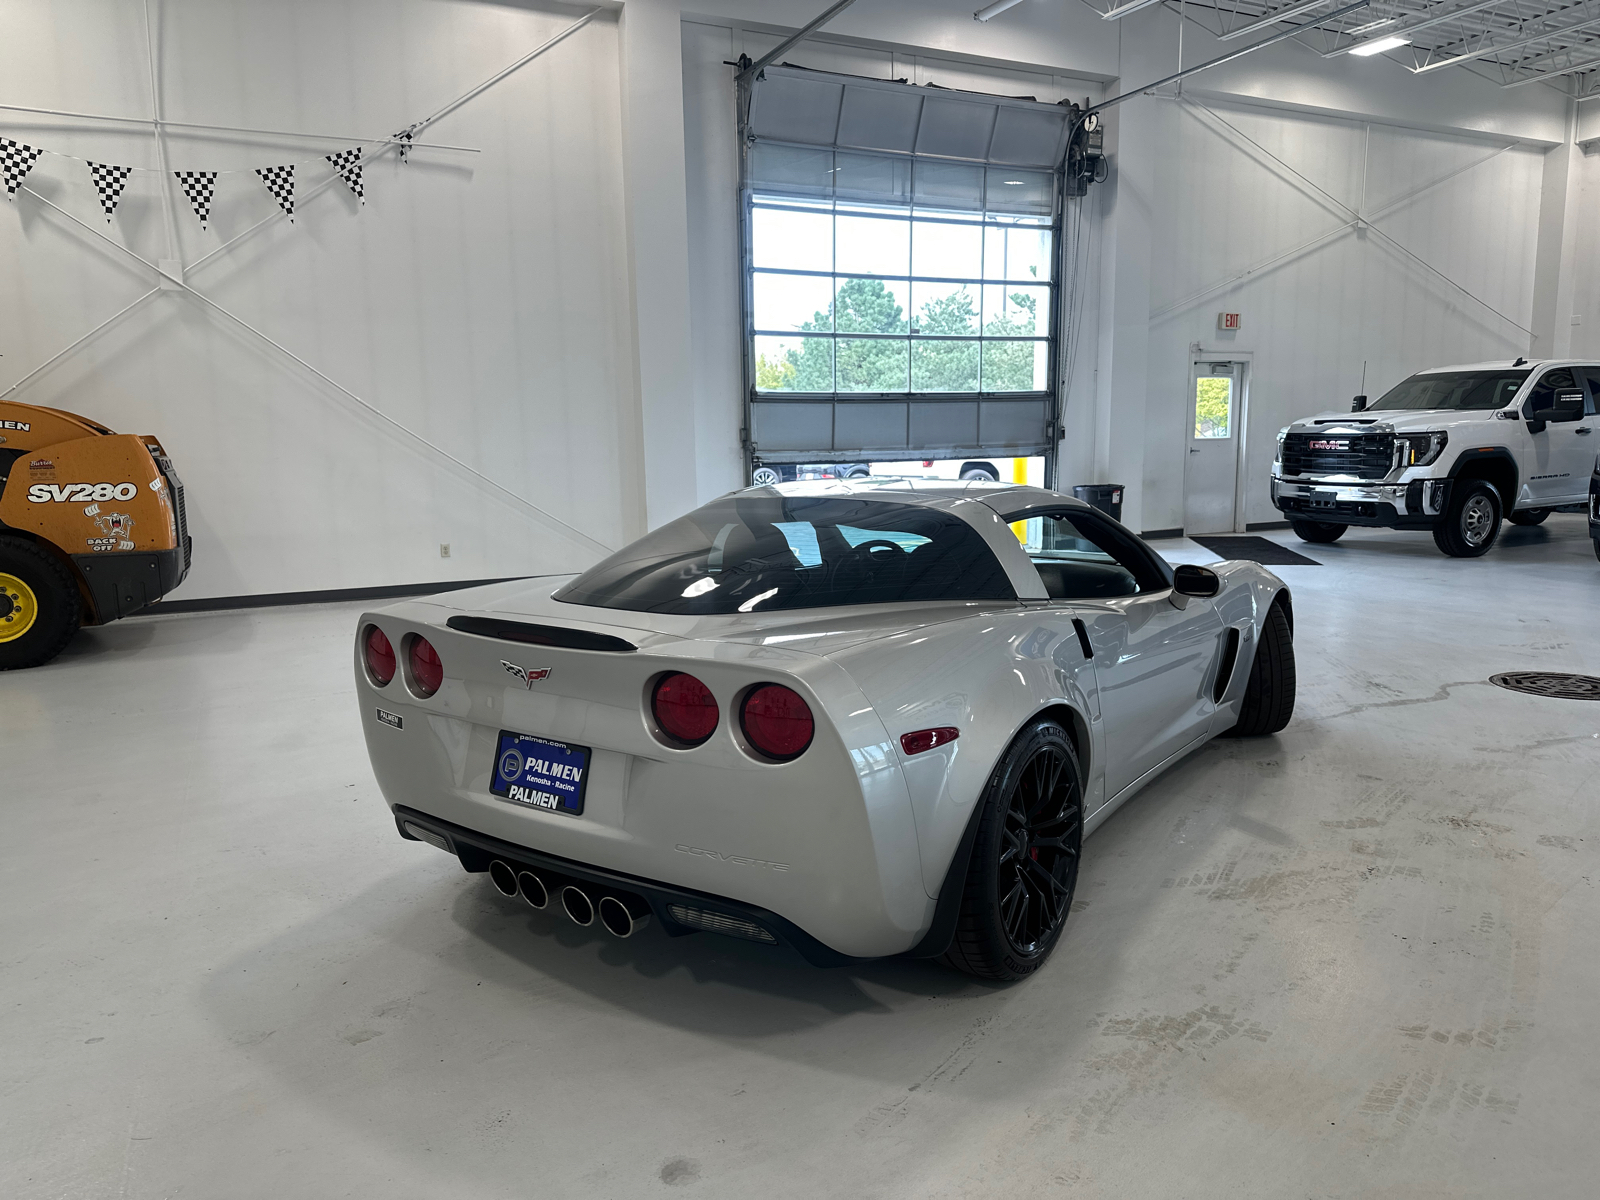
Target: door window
1213, 405
1591, 376
1079, 558
1549, 384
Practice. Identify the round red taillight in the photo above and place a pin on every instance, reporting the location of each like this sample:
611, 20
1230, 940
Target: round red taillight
380, 656
684, 708
427, 672
777, 721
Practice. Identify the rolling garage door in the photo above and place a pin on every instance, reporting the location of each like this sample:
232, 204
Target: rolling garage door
900, 259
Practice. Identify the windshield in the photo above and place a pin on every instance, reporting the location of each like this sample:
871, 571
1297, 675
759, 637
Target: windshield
1458, 391
756, 552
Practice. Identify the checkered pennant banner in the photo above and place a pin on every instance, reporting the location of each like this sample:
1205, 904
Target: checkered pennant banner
280, 182
348, 164
198, 186
109, 182
16, 160
403, 140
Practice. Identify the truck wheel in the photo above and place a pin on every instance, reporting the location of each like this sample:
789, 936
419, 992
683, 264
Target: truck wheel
1025, 860
1529, 516
1317, 531
39, 606
1472, 521
1597, 547
1269, 696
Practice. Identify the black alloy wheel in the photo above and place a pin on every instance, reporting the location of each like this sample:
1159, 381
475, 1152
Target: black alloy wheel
1529, 516
1025, 859
1321, 532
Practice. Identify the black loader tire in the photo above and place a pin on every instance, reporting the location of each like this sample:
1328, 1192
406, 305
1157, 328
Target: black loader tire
1269, 695
51, 600
1529, 516
1024, 870
1317, 531
1471, 522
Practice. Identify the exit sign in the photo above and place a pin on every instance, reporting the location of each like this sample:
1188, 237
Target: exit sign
1228, 321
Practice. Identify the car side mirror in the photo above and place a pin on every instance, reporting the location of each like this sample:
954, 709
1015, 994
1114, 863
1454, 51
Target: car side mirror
1359, 404
1190, 580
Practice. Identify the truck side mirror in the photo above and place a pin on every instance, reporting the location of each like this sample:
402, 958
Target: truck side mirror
1563, 405
1359, 404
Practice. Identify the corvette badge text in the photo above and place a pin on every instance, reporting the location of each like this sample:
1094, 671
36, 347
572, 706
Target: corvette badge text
736, 859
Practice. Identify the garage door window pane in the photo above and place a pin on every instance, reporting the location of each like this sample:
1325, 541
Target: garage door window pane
873, 245
1020, 252
1015, 310
873, 364
945, 365
945, 250
873, 306
799, 241
1015, 366
793, 302
794, 364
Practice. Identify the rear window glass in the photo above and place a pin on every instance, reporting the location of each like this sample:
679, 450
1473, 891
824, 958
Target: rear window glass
759, 553
1458, 391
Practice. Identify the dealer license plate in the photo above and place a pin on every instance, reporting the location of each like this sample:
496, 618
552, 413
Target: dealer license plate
540, 773
1323, 499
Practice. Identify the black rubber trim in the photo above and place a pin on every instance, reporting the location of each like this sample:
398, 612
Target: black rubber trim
657, 895
947, 912
396, 591
539, 635
1083, 638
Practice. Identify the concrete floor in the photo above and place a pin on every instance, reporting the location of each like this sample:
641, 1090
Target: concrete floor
1358, 959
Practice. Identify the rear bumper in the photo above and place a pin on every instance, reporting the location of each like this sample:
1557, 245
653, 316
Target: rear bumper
1415, 505
124, 582
477, 850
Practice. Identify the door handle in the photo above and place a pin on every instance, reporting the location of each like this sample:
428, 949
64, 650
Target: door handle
1193, 450
1580, 429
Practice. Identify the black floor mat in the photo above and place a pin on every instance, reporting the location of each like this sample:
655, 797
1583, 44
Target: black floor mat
1255, 549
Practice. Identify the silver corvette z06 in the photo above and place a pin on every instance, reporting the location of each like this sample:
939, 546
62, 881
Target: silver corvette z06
859, 719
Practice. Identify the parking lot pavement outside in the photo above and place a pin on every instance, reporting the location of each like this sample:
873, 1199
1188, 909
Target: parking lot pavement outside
1356, 959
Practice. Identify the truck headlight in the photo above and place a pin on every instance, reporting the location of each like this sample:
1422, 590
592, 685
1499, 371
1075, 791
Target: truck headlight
1277, 453
1418, 449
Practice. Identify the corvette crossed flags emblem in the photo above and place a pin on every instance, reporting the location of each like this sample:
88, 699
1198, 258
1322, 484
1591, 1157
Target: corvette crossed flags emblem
528, 675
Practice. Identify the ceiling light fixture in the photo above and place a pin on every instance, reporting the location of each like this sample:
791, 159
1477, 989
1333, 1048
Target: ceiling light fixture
995, 9
1378, 47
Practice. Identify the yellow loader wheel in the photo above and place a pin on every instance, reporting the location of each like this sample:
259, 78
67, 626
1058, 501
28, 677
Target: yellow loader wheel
39, 605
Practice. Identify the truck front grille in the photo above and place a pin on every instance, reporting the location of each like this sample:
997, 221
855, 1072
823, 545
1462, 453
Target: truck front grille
1360, 455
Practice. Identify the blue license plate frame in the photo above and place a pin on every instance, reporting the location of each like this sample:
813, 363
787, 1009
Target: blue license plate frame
540, 773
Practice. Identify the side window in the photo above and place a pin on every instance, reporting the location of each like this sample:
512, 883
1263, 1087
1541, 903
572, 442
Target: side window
1591, 376
1550, 383
1080, 558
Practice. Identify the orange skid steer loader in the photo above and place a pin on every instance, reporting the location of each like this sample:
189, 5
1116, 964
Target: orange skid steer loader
92, 528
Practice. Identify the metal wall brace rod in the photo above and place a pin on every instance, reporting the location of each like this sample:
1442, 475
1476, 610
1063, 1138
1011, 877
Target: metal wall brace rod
782, 48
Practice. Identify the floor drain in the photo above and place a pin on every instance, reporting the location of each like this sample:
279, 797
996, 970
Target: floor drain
1550, 683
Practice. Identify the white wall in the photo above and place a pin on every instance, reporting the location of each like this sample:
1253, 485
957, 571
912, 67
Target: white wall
480, 299
560, 311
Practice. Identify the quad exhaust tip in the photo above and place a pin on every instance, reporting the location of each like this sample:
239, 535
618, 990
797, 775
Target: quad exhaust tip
577, 904
533, 889
623, 916
503, 878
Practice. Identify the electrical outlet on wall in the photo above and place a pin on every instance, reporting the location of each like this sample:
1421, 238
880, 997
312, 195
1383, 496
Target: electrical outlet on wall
444, 549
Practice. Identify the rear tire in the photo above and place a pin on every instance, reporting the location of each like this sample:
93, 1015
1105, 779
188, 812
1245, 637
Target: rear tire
1317, 531
1471, 522
1529, 516
1024, 866
39, 605
1269, 695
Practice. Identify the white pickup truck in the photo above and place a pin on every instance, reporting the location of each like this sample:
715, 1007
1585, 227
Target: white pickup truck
1454, 450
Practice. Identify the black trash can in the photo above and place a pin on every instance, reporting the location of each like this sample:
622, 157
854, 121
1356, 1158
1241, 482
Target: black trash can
1107, 497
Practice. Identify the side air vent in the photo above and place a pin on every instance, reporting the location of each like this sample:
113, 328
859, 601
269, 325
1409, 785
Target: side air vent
1225, 666
539, 635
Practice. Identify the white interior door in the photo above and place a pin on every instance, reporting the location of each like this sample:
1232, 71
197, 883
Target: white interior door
1216, 419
